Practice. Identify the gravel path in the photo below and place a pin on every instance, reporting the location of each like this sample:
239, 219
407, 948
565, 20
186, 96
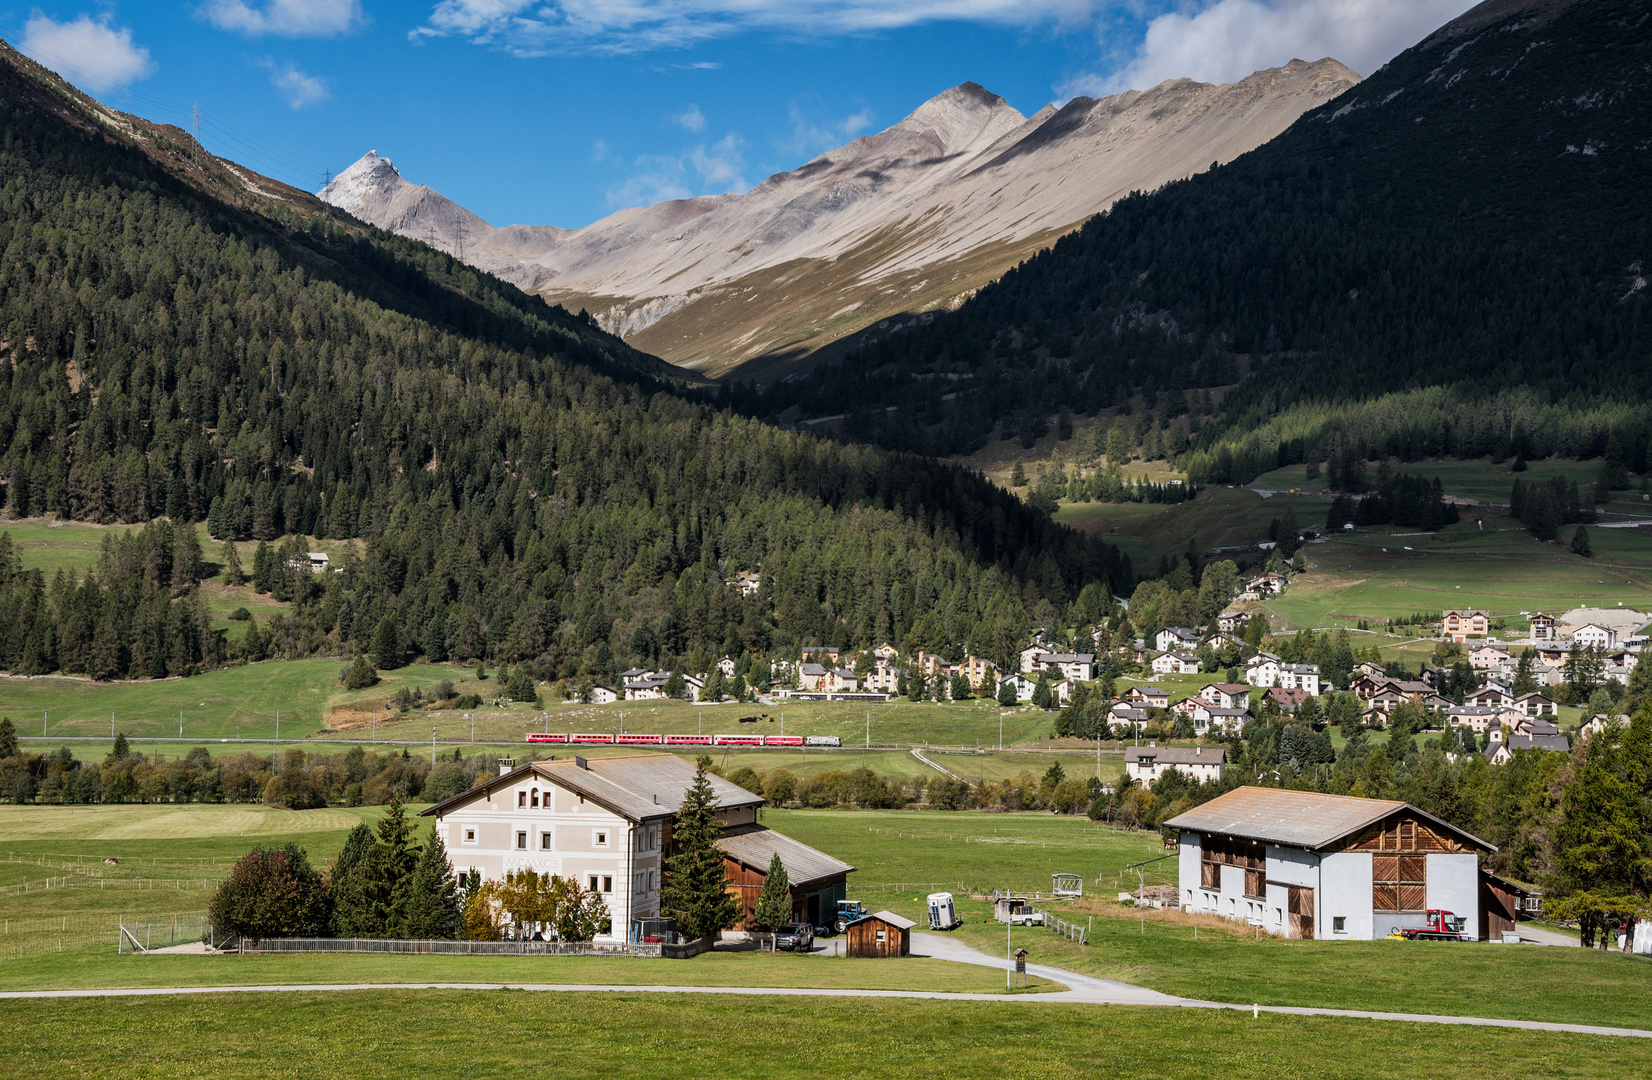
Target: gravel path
1081, 990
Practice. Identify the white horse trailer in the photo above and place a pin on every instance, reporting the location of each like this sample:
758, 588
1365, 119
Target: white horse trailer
943, 914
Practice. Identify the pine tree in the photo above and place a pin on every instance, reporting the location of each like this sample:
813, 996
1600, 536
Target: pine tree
1580, 543
263, 567
8, 738
774, 902
432, 907
1006, 693
695, 891
388, 872
1043, 696
233, 573
352, 915
387, 649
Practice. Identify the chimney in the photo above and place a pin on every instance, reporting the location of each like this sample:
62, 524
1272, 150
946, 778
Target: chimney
506, 765
581, 763
1198, 749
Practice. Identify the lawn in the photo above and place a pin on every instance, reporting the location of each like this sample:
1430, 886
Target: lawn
53, 971
497, 1033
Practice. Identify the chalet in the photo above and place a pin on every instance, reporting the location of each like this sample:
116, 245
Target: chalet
1145, 764
1535, 704
1227, 695
1222, 640
1286, 701
822, 654
1148, 697
1176, 637
1374, 671
886, 652
726, 666
647, 687
314, 562
1269, 584
1477, 718
1231, 622
1499, 749
1308, 865
811, 676
1024, 686
1078, 666
980, 672
1533, 725
605, 823
748, 582
1594, 636
1227, 720
1063, 690
1121, 713
1300, 677
1542, 627
1490, 695
602, 695
932, 664
1191, 707
1460, 625
840, 681
1491, 654
1263, 670
1176, 663
694, 688
1600, 722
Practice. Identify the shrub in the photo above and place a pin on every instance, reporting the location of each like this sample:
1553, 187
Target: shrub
272, 893
240, 614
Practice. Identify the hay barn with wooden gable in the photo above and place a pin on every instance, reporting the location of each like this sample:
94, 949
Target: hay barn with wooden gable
1308, 865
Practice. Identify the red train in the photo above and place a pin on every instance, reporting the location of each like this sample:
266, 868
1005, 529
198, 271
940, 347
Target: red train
594, 739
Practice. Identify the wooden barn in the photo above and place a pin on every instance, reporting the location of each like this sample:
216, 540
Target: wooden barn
881, 934
817, 881
1500, 901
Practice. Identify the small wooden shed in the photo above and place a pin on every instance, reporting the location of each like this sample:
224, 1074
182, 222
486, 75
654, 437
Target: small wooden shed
882, 933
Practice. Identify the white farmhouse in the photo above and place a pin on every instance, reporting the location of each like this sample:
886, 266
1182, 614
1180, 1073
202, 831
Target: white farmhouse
606, 824
1146, 764
1176, 663
1263, 670
1325, 866
1300, 677
1594, 635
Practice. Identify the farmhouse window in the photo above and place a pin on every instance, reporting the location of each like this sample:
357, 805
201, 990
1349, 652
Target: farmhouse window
536, 798
607, 883
522, 841
1210, 872
592, 882
546, 841
1399, 882
1339, 924
470, 836
522, 798
600, 838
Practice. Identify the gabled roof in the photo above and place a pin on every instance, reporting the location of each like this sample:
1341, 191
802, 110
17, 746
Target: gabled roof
889, 917
1304, 819
638, 787
756, 845
1177, 755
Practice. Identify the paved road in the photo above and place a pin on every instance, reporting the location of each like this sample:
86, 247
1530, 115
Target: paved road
1081, 990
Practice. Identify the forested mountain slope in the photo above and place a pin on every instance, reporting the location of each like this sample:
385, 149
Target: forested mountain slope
527, 487
1449, 257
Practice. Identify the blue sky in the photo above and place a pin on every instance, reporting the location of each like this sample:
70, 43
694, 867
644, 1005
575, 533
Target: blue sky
561, 111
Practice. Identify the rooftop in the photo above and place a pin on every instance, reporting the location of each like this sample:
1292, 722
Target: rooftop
1177, 755
639, 787
1305, 819
755, 845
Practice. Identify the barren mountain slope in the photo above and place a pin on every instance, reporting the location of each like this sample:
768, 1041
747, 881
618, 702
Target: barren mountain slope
907, 220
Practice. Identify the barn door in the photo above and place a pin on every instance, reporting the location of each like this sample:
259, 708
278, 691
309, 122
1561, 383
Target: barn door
1299, 902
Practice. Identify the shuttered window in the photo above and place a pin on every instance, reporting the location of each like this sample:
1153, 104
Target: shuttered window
1399, 882
1210, 872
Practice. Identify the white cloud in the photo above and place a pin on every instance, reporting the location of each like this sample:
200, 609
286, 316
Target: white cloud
811, 137
537, 27
704, 170
89, 53
693, 119
284, 18
299, 87
1229, 39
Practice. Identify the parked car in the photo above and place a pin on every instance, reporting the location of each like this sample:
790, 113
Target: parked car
795, 937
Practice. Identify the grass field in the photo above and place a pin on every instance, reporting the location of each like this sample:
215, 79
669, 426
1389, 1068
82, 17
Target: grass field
493, 1033
900, 856
1476, 479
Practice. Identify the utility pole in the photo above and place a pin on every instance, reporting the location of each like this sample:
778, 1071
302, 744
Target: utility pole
868, 729
111, 723
180, 723
195, 127
278, 725
433, 742
459, 237
45, 721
